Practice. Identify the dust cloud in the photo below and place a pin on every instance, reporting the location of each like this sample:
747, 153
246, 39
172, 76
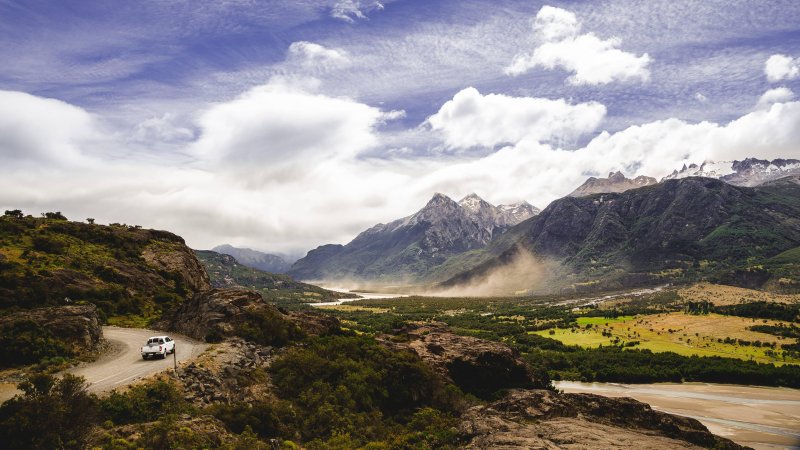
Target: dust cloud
523, 274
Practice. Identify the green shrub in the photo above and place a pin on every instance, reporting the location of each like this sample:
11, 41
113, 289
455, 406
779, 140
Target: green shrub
143, 403
51, 413
25, 342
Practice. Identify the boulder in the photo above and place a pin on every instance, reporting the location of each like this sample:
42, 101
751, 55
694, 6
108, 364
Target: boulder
549, 420
477, 366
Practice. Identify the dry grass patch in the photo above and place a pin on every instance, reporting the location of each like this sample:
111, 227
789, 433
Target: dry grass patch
721, 295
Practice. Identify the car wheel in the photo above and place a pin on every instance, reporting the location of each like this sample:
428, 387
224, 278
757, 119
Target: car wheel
144, 357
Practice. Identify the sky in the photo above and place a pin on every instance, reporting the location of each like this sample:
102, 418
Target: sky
281, 126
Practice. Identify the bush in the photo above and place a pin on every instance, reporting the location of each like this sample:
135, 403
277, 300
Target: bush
51, 413
25, 342
143, 403
267, 327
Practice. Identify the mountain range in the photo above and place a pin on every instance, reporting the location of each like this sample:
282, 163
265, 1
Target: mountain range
413, 247
255, 259
749, 172
679, 229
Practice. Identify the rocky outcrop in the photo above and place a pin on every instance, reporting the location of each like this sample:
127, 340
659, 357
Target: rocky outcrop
477, 366
313, 323
228, 374
215, 311
76, 325
616, 182
549, 420
180, 260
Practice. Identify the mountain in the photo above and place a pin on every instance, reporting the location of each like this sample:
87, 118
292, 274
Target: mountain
616, 182
409, 248
675, 230
226, 272
255, 259
749, 172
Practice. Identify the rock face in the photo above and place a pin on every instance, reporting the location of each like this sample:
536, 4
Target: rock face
616, 182
408, 248
180, 260
213, 311
77, 325
477, 366
218, 312
255, 259
548, 420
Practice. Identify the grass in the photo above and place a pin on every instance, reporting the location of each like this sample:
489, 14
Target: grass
675, 332
721, 295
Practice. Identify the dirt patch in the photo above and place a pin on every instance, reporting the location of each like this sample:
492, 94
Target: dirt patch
721, 295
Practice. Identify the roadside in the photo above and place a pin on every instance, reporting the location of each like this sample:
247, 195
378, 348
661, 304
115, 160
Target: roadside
122, 364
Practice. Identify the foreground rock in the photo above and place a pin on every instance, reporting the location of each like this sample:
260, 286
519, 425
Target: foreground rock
544, 419
477, 366
76, 325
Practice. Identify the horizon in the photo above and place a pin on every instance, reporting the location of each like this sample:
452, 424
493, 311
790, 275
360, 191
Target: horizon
283, 127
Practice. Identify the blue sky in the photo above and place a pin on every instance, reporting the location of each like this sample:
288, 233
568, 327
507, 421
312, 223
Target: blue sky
253, 122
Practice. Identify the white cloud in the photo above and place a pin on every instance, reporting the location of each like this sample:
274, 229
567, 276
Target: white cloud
162, 129
777, 95
471, 119
591, 60
350, 10
700, 97
279, 122
309, 54
779, 67
42, 129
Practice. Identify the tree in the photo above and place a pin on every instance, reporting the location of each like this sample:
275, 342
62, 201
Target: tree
90, 220
15, 213
54, 215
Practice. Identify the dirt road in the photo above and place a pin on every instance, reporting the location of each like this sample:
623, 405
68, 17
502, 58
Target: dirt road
122, 364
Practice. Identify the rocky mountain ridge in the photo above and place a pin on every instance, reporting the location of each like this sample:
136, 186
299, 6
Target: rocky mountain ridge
408, 248
616, 182
749, 172
684, 227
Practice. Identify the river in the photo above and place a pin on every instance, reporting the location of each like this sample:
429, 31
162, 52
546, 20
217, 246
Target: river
759, 417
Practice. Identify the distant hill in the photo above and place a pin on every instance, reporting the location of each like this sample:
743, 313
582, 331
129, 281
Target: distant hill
226, 272
253, 258
675, 230
410, 248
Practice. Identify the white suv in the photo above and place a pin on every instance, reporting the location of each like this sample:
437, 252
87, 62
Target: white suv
158, 346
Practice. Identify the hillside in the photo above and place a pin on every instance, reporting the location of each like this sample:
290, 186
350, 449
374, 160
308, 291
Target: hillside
409, 249
124, 270
675, 230
226, 272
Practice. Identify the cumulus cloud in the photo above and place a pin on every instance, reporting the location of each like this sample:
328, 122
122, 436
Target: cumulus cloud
591, 60
309, 54
42, 130
279, 122
779, 67
471, 119
777, 95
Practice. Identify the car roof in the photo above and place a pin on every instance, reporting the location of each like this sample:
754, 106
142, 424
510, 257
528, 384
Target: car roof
157, 337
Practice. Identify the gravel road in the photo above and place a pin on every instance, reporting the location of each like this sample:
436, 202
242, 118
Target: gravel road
123, 364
